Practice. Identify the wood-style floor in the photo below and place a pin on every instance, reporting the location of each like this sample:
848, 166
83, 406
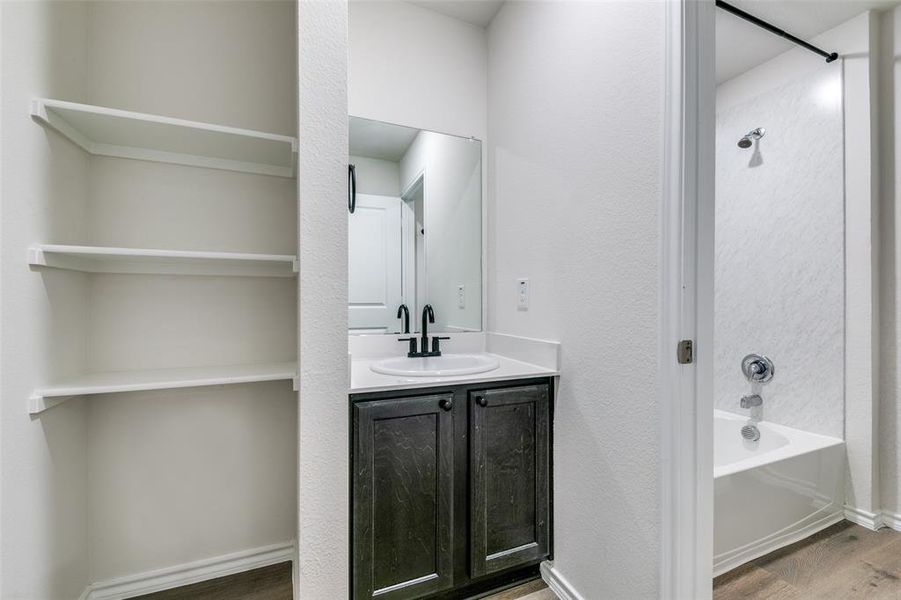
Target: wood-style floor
267, 583
843, 562
534, 590
274, 583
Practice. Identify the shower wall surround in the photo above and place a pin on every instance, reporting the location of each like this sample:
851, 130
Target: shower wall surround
779, 279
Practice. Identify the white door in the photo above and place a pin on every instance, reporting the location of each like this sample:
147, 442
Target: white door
374, 255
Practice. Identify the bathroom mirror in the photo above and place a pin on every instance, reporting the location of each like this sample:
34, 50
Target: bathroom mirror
415, 229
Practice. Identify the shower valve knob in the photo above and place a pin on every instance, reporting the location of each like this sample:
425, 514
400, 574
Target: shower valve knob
757, 368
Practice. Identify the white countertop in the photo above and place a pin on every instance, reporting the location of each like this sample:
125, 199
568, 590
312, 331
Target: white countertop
364, 379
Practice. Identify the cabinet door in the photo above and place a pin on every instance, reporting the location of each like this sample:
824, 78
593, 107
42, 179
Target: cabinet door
403, 497
509, 479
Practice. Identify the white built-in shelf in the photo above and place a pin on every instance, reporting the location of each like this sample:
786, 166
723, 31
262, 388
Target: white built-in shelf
160, 379
125, 134
101, 259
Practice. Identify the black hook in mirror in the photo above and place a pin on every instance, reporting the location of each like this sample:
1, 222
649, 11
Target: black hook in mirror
351, 188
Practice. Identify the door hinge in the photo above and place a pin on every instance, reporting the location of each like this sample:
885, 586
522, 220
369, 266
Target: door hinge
685, 352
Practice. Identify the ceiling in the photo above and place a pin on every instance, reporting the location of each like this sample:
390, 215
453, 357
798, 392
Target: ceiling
375, 139
741, 45
477, 12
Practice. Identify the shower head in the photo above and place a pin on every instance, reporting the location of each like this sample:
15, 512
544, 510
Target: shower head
754, 134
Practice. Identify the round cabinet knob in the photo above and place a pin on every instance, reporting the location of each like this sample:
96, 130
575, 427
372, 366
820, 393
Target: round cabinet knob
481, 400
446, 403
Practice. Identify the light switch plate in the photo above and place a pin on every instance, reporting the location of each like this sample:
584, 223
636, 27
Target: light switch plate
522, 294
461, 296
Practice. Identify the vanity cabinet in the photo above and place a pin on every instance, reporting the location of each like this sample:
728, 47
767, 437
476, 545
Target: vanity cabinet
403, 487
509, 485
451, 489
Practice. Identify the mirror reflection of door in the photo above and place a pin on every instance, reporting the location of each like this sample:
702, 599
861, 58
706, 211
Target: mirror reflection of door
375, 287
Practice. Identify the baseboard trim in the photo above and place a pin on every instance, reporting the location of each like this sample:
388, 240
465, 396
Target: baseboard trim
726, 561
188, 573
558, 584
865, 518
893, 520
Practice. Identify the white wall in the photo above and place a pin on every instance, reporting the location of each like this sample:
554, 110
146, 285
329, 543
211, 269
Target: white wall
233, 487
779, 280
133, 482
44, 471
890, 126
230, 64
322, 570
575, 163
207, 472
413, 66
452, 198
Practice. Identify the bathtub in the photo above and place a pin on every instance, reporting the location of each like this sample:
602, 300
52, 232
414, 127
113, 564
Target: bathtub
773, 492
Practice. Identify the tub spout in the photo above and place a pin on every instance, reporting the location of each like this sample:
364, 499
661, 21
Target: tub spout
751, 401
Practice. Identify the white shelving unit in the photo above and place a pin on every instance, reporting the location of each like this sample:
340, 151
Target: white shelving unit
101, 259
125, 134
159, 379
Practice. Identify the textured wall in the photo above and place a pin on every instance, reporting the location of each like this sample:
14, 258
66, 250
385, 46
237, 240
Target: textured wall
323, 498
575, 96
779, 277
890, 407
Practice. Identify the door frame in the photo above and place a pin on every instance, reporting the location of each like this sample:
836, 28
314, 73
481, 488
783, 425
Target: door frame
411, 274
686, 301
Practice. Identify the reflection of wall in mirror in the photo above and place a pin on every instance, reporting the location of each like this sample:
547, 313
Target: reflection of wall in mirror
376, 176
452, 179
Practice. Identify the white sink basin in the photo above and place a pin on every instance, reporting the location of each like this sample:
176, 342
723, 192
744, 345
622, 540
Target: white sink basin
446, 365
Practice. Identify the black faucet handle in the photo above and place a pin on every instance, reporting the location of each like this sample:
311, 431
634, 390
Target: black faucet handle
412, 351
436, 343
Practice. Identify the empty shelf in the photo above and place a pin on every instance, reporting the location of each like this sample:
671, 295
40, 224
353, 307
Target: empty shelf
160, 379
101, 259
125, 134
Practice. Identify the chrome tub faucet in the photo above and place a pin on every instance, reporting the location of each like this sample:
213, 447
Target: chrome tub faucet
751, 401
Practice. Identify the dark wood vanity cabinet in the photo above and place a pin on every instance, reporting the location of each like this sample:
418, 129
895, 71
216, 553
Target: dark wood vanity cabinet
509, 511
403, 486
451, 489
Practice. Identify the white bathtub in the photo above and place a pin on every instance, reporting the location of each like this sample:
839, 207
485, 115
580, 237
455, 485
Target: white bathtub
773, 492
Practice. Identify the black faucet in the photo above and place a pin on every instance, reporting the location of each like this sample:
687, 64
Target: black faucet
403, 310
428, 316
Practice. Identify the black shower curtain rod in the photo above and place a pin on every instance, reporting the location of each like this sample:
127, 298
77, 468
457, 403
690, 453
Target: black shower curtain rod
829, 56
